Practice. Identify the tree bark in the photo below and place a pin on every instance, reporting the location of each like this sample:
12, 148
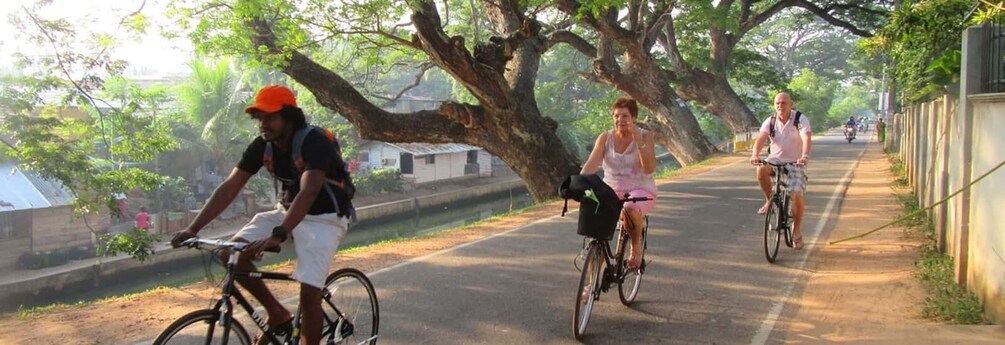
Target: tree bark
718, 97
638, 75
507, 123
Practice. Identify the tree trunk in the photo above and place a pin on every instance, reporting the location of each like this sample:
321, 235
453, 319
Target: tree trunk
717, 96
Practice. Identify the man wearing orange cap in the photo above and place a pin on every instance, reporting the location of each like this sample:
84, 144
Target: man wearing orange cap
313, 219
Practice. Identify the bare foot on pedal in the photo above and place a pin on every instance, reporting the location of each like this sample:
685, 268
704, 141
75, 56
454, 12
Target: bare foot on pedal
635, 259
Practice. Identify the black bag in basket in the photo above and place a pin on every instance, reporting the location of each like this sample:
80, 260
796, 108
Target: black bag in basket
599, 205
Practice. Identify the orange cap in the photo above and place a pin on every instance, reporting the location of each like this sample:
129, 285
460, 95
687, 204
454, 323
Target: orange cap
272, 98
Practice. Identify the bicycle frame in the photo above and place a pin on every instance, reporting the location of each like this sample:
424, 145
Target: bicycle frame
612, 276
225, 308
780, 196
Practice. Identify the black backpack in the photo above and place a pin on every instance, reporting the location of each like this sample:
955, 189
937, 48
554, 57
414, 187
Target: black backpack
342, 179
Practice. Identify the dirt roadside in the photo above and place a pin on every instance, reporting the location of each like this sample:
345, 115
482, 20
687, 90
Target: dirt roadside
864, 290
856, 286
142, 316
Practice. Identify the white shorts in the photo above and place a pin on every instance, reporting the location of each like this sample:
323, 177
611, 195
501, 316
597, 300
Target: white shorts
316, 239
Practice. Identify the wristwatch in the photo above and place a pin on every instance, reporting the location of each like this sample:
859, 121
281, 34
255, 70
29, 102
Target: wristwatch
280, 233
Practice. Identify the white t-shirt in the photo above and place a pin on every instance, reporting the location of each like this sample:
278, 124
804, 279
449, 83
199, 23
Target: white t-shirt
787, 145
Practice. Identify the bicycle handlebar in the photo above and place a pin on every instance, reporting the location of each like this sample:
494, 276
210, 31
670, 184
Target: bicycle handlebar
198, 243
627, 199
779, 165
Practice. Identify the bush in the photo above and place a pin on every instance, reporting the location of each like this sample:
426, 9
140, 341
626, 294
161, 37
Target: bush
39, 260
80, 252
377, 181
138, 243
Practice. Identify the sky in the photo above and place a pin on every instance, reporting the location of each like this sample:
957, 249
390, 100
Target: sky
151, 52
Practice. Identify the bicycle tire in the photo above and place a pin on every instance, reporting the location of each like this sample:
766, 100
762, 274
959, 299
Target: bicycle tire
586, 295
772, 233
349, 293
628, 285
199, 326
786, 220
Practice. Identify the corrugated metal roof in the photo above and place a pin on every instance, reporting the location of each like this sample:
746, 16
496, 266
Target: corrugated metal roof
420, 149
20, 191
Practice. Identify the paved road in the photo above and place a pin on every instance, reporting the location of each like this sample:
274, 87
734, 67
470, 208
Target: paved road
708, 283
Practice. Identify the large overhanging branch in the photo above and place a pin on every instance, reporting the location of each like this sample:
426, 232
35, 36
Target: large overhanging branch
484, 82
433, 126
822, 13
825, 14
575, 41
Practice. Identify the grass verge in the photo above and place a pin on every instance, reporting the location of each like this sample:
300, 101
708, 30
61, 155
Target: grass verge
946, 301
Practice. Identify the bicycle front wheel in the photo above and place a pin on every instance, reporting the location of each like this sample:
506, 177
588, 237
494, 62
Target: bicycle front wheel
202, 327
589, 284
350, 308
786, 220
628, 285
772, 235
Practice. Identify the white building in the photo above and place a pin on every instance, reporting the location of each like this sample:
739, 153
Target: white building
421, 163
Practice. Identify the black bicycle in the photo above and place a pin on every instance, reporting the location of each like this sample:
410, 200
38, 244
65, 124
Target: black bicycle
598, 274
778, 219
349, 302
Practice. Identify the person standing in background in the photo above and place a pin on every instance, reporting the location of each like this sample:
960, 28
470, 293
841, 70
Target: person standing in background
880, 130
143, 219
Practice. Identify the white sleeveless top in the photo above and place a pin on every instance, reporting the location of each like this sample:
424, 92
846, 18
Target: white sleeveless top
623, 171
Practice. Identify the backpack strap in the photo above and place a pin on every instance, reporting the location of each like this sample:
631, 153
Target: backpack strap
297, 157
267, 162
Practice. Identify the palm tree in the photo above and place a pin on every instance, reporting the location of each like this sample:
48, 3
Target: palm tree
213, 104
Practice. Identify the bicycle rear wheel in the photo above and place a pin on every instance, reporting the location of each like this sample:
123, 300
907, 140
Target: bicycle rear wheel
589, 285
772, 235
350, 308
628, 285
202, 327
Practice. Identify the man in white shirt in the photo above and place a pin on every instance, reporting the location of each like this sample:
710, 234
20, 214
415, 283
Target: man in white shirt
790, 135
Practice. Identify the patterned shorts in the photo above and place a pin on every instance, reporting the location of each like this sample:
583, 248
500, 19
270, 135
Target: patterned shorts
795, 179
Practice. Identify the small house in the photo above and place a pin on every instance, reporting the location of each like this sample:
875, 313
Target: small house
421, 163
36, 216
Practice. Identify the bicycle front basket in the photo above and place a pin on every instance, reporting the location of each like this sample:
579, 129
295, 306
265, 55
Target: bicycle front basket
598, 220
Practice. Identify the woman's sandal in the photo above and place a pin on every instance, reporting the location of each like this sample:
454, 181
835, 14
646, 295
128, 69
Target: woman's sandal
797, 243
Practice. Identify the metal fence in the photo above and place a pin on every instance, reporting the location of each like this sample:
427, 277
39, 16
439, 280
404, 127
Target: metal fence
994, 59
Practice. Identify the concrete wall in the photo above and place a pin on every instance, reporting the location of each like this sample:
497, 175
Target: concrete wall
947, 145
943, 158
56, 227
986, 275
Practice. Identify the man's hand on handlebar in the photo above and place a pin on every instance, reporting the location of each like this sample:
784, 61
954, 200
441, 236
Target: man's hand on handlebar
255, 249
181, 236
755, 160
802, 160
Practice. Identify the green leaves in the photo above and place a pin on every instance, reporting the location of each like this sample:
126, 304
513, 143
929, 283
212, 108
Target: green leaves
137, 243
919, 40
